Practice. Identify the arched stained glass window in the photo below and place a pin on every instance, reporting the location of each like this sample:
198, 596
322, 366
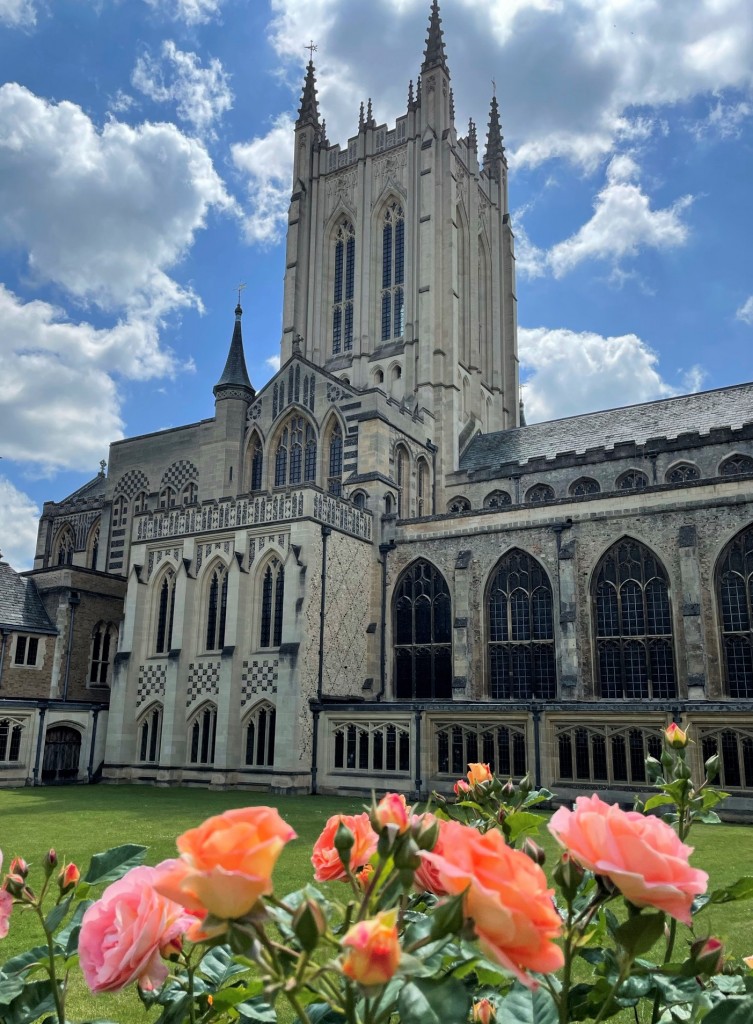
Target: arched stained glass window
260, 737
521, 630
272, 603
344, 288
165, 613
202, 733
257, 463
734, 586
736, 464
585, 485
150, 734
633, 480
539, 493
634, 647
94, 547
64, 547
422, 617
216, 609
295, 458
335, 478
497, 499
423, 495
681, 473
402, 474
393, 272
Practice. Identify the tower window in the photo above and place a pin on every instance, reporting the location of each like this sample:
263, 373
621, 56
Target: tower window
393, 272
344, 287
272, 603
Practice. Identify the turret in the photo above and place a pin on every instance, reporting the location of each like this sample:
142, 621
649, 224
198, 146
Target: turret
234, 382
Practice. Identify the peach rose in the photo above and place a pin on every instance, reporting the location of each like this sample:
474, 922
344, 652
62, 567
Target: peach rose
326, 860
393, 810
506, 895
478, 772
373, 950
639, 853
226, 863
748, 961
427, 877
6, 905
123, 933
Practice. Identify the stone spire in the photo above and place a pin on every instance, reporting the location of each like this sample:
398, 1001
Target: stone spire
434, 54
234, 382
495, 151
308, 112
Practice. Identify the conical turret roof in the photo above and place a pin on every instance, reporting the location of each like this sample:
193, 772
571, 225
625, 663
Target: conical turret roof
434, 54
235, 382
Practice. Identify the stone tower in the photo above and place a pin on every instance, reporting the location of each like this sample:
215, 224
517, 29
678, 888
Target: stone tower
400, 270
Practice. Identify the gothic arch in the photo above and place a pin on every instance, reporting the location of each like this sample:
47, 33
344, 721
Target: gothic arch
63, 545
93, 543
682, 471
422, 633
403, 467
328, 472
202, 734
259, 735
519, 621
389, 265
735, 464
254, 460
733, 589
162, 608
293, 468
269, 600
465, 319
339, 287
631, 606
213, 581
485, 306
149, 732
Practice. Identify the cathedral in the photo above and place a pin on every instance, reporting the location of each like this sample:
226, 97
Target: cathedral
372, 571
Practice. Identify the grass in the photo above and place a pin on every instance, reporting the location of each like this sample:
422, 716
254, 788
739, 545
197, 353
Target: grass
80, 821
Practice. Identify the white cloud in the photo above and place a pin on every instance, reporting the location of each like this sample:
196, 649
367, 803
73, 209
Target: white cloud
267, 163
567, 372
18, 526
192, 12
103, 213
745, 312
622, 223
273, 362
201, 94
17, 13
725, 120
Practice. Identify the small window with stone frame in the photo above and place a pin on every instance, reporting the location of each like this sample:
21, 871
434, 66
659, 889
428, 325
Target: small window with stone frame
27, 651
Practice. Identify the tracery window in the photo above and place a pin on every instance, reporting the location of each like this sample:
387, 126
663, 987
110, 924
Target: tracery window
521, 630
735, 750
190, 493
539, 493
296, 453
216, 609
633, 480
682, 472
202, 734
335, 480
736, 464
140, 503
585, 485
502, 747
359, 499
734, 584
104, 643
165, 613
423, 497
634, 648
260, 736
459, 504
422, 634
272, 604
393, 272
605, 753
167, 497
257, 463
372, 746
150, 734
497, 499
10, 740
344, 287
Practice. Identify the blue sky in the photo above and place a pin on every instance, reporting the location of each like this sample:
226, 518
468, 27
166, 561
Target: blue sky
145, 151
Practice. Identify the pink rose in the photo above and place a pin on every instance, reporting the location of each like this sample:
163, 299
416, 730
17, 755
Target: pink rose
427, 877
326, 860
639, 853
123, 933
6, 905
393, 810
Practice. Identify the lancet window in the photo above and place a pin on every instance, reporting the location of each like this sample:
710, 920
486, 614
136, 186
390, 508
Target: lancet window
393, 272
260, 737
272, 604
343, 288
150, 734
202, 733
734, 584
422, 634
335, 478
165, 613
104, 642
216, 609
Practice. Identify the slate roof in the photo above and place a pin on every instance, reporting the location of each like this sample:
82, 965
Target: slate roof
21, 607
665, 419
235, 374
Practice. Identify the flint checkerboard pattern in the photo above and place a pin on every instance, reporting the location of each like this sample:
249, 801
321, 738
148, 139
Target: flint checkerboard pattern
131, 483
151, 683
259, 678
203, 680
179, 474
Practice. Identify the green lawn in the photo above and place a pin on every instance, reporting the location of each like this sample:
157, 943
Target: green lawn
80, 821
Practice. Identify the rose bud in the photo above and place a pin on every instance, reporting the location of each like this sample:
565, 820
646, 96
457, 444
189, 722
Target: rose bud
676, 737
392, 810
50, 863
364, 876
712, 767
568, 875
532, 849
14, 884
69, 878
483, 1012
508, 790
343, 842
707, 955
372, 950
478, 773
18, 866
461, 787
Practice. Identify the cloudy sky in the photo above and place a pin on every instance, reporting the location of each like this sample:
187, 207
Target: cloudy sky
145, 150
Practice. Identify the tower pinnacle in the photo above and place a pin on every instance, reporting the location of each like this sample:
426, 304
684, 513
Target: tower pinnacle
234, 382
434, 54
308, 112
494, 149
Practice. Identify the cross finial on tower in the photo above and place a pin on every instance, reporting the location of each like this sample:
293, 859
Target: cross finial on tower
312, 48
102, 467
241, 286
494, 86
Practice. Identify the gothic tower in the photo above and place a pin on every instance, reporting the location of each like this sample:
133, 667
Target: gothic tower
400, 264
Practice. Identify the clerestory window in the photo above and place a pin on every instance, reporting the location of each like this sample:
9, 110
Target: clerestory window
343, 289
393, 272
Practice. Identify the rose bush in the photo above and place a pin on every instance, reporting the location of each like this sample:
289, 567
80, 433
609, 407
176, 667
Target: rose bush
447, 915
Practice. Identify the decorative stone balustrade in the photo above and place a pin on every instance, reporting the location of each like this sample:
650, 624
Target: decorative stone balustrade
236, 513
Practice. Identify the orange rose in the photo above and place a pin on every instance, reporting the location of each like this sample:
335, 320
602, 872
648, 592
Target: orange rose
639, 853
393, 810
226, 863
479, 773
506, 895
427, 877
748, 961
373, 950
326, 860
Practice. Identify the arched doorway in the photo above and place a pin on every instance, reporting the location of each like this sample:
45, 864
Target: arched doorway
62, 752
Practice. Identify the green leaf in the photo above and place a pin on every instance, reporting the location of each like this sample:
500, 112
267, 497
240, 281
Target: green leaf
113, 864
176, 1011
433, 1002
676, 990
257, 1011
26, 960
521, 823
742, 889
522, 1006
10, 988
736, 1010
56, 915
638, 934
67, 938
660, 800
218, 966
707, 818
36, 999
321, 1013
